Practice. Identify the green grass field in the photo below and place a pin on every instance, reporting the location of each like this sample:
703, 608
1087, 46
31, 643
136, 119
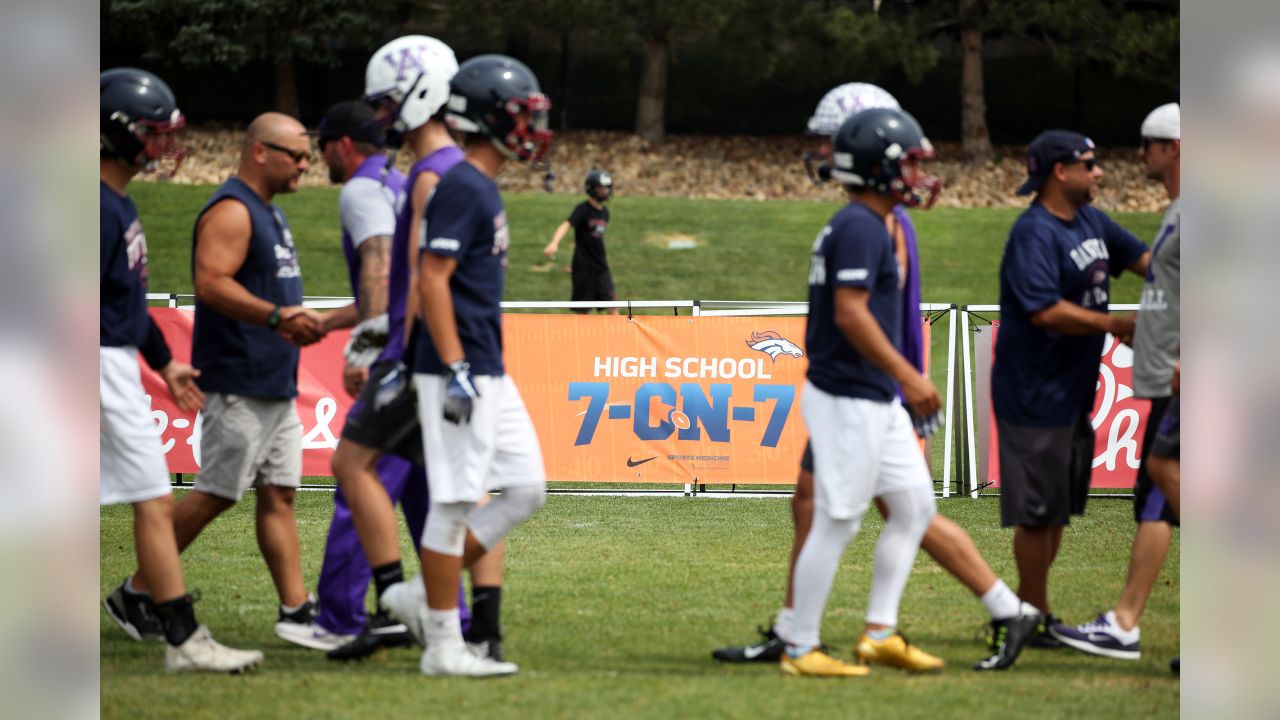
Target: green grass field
614, 604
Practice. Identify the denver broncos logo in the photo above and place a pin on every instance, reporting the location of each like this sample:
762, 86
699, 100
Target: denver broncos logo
772, 344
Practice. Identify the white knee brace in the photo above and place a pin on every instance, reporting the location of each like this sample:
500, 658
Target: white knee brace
492, 522
446, 528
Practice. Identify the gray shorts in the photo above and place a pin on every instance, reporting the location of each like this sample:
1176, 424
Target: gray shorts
248, 442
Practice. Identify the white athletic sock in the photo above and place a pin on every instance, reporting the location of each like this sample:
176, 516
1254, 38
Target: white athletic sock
784, 623
909, 514
815, 572
443, 626
1001, 602
1128, 636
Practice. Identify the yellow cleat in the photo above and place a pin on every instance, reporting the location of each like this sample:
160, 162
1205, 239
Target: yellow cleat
816, 663
895, 651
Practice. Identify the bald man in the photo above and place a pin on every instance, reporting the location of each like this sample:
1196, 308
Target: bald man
249, 324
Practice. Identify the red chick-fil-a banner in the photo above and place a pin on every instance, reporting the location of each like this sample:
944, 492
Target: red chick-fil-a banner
1119, 419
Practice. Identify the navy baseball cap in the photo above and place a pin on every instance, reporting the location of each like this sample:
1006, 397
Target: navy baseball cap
1050, 147
355, 119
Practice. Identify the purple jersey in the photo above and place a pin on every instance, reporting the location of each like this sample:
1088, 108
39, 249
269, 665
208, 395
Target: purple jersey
367, 207
912, 347
438, 162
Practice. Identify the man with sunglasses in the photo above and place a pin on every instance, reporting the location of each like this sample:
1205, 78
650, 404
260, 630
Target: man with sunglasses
1115, 633
249, 322
1054, 293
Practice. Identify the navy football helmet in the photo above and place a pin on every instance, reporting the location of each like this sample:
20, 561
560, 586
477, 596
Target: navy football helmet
498, 97
599, 180
880, 150
139, 118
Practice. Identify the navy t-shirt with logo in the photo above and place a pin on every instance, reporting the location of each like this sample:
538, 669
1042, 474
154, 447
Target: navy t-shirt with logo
1044, 378
853, 250
123, 318
465, 221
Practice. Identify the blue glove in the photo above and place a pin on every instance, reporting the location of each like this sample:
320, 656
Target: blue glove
460, 394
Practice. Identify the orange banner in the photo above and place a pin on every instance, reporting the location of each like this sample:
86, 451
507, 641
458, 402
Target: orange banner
662, 399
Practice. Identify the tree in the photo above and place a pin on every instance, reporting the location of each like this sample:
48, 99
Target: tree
658, 23
975, 138
232, 33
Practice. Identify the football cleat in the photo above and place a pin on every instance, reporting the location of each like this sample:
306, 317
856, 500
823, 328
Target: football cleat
201, 653
1044, 639
895, 651
1008, 637
407, 602
817, 663
457, 659
380, 631
770, 649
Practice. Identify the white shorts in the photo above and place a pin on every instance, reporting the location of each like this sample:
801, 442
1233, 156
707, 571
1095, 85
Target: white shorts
861, 449
131, 465
248, 442
497, 449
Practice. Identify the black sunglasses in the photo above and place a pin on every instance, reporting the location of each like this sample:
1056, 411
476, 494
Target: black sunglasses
297, 155
1148, 142
1089, 163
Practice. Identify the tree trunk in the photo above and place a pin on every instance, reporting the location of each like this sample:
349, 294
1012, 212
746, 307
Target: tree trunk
563, 101
975, 139
286, 88
651, 108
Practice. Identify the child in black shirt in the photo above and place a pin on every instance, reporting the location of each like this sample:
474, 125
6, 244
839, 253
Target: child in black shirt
591, 277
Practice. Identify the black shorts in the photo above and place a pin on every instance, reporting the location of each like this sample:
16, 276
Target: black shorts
385, 415
1149, 503
1167, 442
589, 286
1044, 472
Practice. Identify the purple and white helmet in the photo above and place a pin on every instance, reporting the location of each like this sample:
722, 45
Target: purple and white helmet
842, 102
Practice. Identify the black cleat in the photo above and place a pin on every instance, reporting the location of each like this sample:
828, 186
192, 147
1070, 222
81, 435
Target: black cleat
1043, 639
770, 650
380, 631
135, 613
1008, 637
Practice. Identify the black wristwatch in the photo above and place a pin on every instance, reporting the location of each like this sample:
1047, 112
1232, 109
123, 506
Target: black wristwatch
273, 318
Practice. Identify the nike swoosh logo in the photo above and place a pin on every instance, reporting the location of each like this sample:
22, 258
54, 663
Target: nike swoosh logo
633, 463
751, 652
1100, 638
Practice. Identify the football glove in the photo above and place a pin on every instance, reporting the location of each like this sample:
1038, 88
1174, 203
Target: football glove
367, 341
926, 427
391, 385
460, 394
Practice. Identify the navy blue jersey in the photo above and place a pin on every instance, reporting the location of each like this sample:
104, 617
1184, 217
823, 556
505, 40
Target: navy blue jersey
123, 317
1044, 378
465, 221
247, 358
853, 250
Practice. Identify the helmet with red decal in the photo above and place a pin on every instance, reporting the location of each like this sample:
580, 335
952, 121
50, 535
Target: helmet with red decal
880, 150
498, 97
139, 119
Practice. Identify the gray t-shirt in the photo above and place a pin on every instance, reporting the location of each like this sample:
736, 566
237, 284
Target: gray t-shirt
1155, 341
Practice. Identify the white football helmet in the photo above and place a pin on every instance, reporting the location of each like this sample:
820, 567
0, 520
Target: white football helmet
408, 80
843, 101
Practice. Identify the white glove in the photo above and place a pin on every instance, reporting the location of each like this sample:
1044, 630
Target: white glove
367, 342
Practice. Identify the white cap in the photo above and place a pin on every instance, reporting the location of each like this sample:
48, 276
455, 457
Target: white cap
1164, 123
843, 102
